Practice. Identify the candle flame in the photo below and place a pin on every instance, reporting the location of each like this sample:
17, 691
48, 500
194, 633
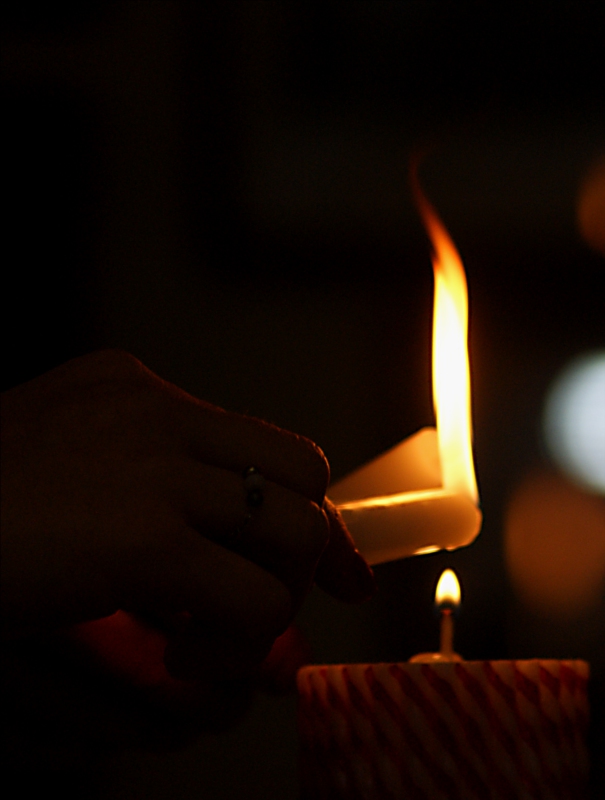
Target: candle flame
448, 589
421, 495
451, 372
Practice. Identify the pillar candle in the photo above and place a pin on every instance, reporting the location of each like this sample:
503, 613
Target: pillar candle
511, 730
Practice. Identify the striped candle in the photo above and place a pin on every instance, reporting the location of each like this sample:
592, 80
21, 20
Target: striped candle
510, 730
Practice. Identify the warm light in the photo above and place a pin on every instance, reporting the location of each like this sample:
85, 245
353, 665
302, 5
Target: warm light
591, 206
448, 589
555, 546
399, 499
421, 495
451, 372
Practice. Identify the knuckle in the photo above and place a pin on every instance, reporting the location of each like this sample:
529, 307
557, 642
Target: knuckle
107, 375
119, 371
115, 363
317, 465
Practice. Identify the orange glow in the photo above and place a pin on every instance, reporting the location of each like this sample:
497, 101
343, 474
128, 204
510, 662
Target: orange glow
448, 589
591, 206
402, 498
451, 372
127, 648
555, 546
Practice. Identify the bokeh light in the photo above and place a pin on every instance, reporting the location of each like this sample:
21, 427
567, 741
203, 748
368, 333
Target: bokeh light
574, 421
555, 545
591, 206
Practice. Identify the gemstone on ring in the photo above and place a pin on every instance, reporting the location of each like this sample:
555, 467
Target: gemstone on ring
254, 483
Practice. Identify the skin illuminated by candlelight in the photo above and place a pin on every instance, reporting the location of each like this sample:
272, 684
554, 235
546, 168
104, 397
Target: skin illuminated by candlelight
130, 553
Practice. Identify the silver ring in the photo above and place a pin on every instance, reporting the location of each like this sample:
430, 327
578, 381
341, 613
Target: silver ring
254, 483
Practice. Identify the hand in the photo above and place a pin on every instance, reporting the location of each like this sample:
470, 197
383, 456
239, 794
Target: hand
121, 492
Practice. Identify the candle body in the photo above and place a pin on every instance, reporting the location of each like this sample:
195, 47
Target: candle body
484, 729
411, 465
395, 506
422, 522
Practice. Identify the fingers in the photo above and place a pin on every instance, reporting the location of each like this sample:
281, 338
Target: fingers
235, 442
237, 609
342, 571
196, 575
207, 433
285, 535
237, 618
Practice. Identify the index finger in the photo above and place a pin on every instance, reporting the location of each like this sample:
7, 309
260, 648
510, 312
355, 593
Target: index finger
235, 442
342, 571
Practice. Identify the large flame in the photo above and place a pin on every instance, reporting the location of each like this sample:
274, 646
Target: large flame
421, 495
451, 373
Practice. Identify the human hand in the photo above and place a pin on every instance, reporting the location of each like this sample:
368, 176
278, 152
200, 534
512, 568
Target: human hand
121, 492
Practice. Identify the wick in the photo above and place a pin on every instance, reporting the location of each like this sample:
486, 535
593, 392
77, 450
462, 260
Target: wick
446, 646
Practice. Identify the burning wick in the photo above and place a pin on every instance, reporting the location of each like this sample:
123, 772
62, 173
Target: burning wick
447, 601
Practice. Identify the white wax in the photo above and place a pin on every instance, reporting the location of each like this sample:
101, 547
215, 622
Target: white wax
395, 506
421, 523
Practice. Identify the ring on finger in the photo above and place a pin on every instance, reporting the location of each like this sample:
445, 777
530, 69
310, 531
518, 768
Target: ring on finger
254, 484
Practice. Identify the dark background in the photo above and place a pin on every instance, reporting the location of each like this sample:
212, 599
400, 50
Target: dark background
221, 189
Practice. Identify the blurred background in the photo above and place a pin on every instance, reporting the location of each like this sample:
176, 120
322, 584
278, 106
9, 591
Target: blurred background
221, 189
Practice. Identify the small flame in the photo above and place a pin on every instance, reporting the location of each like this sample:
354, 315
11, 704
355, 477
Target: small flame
448, 589
451, 372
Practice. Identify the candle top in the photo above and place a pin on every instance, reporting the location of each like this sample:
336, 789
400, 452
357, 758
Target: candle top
435, 658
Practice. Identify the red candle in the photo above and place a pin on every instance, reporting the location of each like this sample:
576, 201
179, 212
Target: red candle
439, 728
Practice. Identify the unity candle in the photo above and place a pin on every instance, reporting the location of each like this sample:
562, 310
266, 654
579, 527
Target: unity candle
439, 727
421, 496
